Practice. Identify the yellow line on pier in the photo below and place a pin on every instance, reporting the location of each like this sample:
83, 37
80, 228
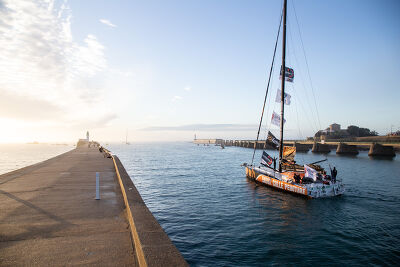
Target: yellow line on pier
135, 236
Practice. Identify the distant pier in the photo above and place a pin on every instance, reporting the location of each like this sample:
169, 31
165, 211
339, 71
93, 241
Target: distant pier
342, 148
50, 217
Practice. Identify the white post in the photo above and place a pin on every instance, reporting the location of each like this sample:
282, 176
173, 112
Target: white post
97, 186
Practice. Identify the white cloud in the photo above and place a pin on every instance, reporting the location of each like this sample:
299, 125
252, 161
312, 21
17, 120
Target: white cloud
27, 109
40, 60
108, 23
176, 98
100, 122
188, 88
205, 127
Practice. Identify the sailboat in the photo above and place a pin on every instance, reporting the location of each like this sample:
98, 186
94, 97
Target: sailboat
126, 138
308, 180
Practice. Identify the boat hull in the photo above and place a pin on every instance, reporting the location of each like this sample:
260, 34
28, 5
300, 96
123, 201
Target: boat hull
272, 182
309, 190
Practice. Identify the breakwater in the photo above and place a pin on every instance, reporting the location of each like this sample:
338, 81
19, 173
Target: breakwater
343, 148
49, 215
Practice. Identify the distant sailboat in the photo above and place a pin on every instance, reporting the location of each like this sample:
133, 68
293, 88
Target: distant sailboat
126, 138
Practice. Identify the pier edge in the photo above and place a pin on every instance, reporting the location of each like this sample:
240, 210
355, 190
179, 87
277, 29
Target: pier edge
159, 249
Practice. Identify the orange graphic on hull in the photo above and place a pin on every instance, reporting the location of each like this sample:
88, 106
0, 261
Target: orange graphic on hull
282, 185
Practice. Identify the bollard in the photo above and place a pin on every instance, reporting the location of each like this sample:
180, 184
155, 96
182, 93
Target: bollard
97, 186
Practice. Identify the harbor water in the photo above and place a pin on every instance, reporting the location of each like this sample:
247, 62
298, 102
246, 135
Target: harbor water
216, 217
16, 156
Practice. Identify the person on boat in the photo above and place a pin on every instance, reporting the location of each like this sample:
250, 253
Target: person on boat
334, 174
297, 178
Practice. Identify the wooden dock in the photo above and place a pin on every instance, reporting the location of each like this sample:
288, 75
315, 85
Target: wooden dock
49, 216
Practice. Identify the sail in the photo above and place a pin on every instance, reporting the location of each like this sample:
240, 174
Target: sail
289, 152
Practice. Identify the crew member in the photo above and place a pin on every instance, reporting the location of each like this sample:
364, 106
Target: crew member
334, 174
297, 178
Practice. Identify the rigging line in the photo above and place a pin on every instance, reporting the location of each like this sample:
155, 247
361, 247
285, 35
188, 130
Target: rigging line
267, 122
308, 69
313, 124
292, 86
298, 122
297, 112
299, 101
266, 93
291, 51
300, 155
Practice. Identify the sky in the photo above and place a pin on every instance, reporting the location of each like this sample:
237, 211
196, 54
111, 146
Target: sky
167, 70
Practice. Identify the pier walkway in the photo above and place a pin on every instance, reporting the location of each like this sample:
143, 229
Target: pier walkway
49, 217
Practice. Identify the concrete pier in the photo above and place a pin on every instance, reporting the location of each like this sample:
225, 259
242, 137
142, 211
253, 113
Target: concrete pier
49, 217
302, 147
320, 148
345, 149
381, 151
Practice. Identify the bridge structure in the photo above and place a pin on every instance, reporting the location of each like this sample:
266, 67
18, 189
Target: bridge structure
344, 148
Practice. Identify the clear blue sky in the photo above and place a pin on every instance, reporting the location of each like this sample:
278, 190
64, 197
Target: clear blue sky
177, 63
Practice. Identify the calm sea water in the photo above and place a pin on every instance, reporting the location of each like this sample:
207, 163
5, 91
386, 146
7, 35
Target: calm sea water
16, 156
216, 217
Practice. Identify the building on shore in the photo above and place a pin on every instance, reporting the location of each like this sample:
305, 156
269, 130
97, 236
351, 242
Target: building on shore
334, 131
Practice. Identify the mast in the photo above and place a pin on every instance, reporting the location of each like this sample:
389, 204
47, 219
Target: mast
266, 92
283, 70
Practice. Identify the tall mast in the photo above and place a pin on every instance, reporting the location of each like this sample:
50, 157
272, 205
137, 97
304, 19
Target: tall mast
283, 70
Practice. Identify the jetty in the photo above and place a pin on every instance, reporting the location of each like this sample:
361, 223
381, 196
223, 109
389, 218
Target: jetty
341, 147
49, 215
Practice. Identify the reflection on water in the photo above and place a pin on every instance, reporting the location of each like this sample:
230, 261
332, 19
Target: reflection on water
16, 156
217, 217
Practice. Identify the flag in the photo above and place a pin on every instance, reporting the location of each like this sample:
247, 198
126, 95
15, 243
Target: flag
289, 74
276, 119
278, 97
289, 152
310, 173
272, 140
266, 159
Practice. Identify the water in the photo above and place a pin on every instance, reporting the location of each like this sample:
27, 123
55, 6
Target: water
216, 217
16, 156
